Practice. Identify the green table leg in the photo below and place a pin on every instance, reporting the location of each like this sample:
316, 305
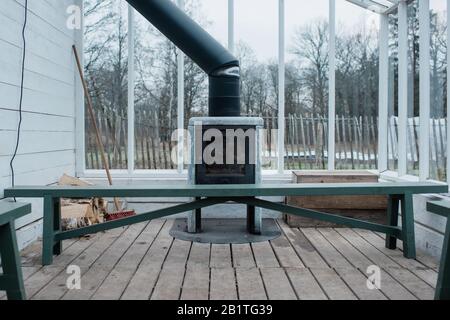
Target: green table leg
52, 224
409, 241
12, 277
443, 283
48, 237
393, 210
57, 247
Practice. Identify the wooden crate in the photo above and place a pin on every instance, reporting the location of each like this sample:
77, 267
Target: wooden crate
369, 208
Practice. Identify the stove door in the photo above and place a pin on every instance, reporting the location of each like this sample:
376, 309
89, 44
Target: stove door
228, 173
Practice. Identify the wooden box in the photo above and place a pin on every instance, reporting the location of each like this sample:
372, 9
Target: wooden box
369, 208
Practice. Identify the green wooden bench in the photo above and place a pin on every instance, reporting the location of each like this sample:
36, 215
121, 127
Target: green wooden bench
443, 285
208, 195
11, 280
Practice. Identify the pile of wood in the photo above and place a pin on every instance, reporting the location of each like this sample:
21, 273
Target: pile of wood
78, 213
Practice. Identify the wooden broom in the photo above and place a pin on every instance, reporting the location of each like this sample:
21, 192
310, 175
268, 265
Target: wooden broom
98, 135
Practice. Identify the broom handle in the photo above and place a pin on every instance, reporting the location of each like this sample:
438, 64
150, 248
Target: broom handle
94, 123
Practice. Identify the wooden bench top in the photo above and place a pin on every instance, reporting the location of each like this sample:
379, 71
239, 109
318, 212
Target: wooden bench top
262, 190
13, 210
440, 207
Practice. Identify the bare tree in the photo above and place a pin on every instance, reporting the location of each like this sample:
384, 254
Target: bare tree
310, 45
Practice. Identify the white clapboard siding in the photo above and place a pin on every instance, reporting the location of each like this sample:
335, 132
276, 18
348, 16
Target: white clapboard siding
41, 46
46, 18
35, 101
36, 142
31, 162
49, 11
42, 41
11, 55
47, 148
36, 81
36, 121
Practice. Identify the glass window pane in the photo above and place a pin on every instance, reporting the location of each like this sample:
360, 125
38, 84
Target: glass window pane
106, 70
413, 89
213, 16
307, 35
157, 85
155, 96
356, 87
393, 94
438, 123
257, 48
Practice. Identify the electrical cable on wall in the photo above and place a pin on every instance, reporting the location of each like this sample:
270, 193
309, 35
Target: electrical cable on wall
11, 164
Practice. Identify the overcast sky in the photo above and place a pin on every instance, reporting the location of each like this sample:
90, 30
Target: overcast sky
256, 21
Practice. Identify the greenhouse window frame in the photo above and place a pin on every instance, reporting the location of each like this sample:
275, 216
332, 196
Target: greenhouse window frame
380, 7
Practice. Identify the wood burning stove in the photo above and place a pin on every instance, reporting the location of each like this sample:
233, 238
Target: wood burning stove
224, 105
233, 145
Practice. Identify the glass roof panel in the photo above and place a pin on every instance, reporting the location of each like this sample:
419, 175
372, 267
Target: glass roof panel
378, 6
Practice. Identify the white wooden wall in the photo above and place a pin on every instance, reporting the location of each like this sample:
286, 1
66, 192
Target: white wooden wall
47, 148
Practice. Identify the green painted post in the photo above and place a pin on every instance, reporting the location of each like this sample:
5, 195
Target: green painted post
443, 283
9, 252
392, 216
409, 241
48, 231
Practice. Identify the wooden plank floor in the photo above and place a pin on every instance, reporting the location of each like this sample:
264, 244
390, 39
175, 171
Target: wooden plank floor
144, 262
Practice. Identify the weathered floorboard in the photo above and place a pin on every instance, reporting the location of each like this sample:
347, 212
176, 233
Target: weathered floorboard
332, 284
264, 255
250, 285
389, 286
95, 276
199, 255
223, 284
143, 281
57, 287
144, 262
426, 260
303, 247
426, 274
170, 282
196, 283
357, 282
353, 256
220, 256
333, 258
277, 284
116, 282
287, 257
305, 285
242, 256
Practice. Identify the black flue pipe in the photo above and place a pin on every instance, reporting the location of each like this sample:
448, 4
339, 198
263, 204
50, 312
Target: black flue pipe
220, 65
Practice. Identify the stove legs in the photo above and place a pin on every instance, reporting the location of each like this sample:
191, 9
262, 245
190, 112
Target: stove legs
195, 220
254, 221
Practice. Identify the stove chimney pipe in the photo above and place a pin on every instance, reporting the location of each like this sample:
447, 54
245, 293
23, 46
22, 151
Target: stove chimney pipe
220, 65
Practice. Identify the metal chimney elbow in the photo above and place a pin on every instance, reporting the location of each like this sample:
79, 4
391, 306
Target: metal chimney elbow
224, 93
